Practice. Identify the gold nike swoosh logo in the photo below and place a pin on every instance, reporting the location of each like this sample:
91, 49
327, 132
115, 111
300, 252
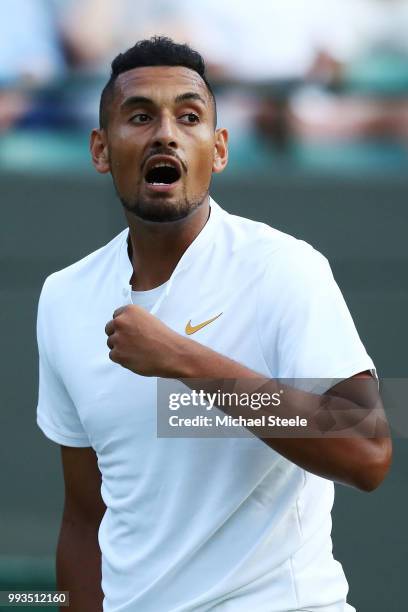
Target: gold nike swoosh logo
192, 329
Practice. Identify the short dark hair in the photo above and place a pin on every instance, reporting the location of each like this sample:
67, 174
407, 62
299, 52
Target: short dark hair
155, 51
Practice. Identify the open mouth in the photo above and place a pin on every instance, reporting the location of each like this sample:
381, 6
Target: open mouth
162, 174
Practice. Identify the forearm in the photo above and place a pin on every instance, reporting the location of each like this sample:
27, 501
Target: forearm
355, 455
78, 565
361, 457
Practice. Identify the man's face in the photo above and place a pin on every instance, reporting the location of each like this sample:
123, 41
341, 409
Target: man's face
161, 144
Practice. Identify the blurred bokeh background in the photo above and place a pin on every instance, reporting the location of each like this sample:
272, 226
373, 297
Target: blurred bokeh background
316, 85
315, 95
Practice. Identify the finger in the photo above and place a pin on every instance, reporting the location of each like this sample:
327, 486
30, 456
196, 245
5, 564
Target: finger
118, 311
110, 342
113, 356
109, 328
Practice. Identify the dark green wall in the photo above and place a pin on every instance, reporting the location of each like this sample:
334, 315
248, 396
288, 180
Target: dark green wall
360, 224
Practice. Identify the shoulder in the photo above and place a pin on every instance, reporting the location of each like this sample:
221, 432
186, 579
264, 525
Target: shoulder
83, 274
278, 252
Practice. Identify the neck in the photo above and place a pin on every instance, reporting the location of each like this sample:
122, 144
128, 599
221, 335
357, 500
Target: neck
156, 248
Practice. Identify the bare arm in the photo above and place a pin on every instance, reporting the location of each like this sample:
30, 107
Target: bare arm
360, 459
143, 344
78, 552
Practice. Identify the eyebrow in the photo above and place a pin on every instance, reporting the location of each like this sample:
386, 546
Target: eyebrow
190, 95
142, 100
135, 101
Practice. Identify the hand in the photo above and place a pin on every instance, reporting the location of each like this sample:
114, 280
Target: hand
142, 343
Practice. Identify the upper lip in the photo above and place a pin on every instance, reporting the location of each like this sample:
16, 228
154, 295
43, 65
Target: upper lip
169, 159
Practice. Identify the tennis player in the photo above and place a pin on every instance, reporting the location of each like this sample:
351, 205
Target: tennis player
189, 291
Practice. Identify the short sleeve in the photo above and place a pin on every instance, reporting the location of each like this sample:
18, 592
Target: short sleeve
307, 329
57, 416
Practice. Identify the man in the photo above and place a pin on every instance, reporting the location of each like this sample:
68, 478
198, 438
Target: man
225, 524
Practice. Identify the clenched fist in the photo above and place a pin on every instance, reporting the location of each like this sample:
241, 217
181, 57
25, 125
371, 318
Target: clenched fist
142, 343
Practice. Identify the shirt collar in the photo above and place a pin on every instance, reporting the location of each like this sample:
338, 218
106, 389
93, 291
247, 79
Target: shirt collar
204, 238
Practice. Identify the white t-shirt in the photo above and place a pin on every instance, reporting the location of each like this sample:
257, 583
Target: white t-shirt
225, 524
147, 299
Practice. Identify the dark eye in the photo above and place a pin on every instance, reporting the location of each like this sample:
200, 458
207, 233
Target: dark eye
140, 118
191, 118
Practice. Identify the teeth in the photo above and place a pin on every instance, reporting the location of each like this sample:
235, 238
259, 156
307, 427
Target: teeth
163, 165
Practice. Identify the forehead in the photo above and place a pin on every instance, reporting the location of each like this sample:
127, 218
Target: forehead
159, 83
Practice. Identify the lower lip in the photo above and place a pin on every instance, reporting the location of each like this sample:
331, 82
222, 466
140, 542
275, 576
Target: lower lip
161, 188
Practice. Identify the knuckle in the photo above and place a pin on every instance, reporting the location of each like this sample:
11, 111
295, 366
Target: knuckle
120, 323
117, 356
118, 311
118, 353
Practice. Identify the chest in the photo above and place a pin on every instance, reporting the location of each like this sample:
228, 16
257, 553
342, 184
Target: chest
218, 311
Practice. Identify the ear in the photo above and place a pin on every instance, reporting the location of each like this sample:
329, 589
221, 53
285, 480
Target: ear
99, 151
220, 150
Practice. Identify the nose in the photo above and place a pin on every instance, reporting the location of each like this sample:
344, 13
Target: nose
165, 134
